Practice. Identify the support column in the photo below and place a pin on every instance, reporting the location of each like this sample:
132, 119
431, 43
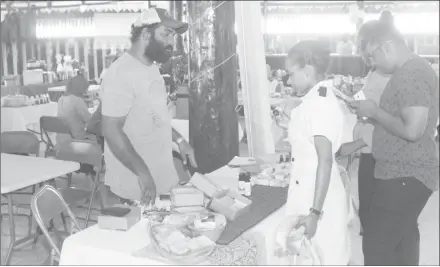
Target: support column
14, 58
213, 126
39, 50
253, 78
5, 60
86, 58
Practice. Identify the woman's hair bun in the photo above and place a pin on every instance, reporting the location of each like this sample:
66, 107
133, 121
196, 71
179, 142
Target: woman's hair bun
386, 18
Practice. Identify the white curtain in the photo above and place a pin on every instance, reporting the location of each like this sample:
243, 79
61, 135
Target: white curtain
253, 78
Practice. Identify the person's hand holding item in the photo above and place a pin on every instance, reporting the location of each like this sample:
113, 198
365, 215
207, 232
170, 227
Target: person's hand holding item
310, 224
148, 189
187, 152
364, 108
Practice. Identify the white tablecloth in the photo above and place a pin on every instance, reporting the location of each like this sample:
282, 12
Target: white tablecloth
95, 246
18, 119
19, 172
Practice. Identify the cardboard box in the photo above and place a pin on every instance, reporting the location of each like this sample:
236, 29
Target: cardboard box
120, 223
187, 197
222, 200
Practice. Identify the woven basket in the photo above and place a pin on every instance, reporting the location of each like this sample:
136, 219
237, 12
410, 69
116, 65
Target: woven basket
189, 258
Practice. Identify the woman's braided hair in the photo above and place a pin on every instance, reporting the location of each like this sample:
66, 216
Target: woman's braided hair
311, 52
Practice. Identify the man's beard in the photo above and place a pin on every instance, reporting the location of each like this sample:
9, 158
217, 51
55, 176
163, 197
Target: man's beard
157, 51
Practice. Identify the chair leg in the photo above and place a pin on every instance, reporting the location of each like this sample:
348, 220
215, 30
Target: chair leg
63, 220
69, 180
37, 235
92, 197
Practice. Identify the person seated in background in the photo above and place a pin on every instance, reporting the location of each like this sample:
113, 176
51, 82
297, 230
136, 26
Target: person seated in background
345, 46
274, 84
73, 109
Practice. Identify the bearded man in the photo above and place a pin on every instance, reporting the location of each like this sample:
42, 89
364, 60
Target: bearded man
136, 122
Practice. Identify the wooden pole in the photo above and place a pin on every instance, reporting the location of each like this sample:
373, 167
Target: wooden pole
86, 58
38, 50
5, 60
14, 58
179, 13
76, 50
213, 125
23, 56
95, 63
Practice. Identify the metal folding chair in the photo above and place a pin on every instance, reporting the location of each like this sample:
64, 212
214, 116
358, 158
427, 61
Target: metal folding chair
46, 204
48, 125
21, 143
85, 152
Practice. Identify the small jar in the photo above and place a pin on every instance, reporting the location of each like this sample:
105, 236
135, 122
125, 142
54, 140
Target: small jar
247, 185
242, 183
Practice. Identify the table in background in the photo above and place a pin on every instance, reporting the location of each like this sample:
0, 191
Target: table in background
20, 118
19, 172
56, 92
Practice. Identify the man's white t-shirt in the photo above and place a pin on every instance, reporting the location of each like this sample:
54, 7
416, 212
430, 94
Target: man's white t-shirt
138, 92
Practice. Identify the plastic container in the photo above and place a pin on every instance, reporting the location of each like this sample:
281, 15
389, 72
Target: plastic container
214, 234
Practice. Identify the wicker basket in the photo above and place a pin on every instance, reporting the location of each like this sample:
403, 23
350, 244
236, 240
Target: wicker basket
189, 258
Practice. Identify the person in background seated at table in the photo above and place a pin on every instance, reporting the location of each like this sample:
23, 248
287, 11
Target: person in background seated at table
74, 111
274, 84
136, 122
317, 199
407, 167
345, 46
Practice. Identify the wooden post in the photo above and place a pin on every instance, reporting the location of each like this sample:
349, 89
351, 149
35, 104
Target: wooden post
95, 63
213, 125
32, 44
104, 55
38, 50
179, 12
361, 6
23, 55
57, 47
76, 50
5, 60
49, 54
86, 57
14, 58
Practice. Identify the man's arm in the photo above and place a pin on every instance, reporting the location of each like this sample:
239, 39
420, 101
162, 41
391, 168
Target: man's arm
323, 173
410, 125
121, 146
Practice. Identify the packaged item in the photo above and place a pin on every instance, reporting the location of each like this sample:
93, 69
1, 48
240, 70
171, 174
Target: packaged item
120, 221
186, 196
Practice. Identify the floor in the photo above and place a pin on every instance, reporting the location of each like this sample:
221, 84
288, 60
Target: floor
429, 229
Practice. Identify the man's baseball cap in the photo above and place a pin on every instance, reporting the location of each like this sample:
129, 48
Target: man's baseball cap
160, 15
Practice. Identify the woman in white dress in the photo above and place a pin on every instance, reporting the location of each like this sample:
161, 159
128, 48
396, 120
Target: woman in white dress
317, 196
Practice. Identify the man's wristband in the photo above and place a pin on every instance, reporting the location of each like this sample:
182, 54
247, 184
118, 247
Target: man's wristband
180, 140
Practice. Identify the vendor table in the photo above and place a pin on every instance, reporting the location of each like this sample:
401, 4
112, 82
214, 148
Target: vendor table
20, 118
19, 172
95, 246
56, 92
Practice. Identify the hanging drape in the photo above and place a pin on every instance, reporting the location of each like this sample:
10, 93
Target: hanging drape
65, 25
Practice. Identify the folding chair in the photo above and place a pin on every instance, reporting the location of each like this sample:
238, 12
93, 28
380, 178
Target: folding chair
21, 143
52, 125
85, 152
46, 204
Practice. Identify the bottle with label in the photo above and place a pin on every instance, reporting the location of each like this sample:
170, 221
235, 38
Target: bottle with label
247, 184
32, 101
241, 183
